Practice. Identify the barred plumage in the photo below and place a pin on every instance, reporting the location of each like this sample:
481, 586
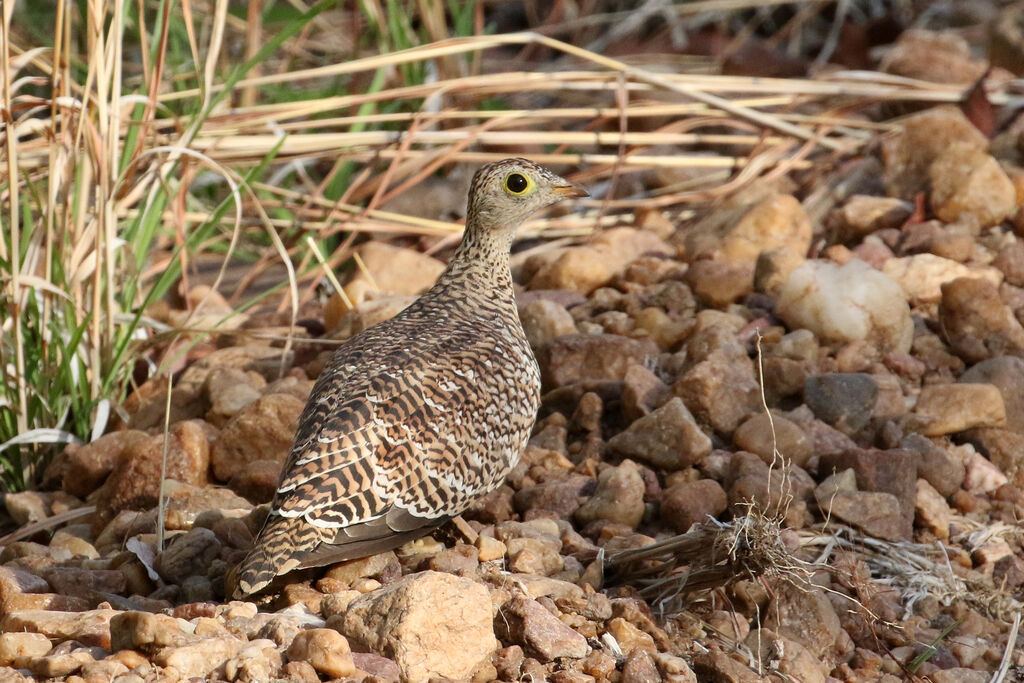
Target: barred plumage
415, 418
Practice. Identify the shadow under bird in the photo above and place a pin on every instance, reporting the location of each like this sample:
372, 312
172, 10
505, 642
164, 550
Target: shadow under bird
415, 418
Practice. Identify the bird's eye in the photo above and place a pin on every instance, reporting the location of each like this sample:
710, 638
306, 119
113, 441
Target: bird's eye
517, 184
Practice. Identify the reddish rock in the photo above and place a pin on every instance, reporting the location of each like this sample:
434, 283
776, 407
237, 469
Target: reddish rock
87, 467
526, 623
577, 357
135, 482
262, 430
687, 503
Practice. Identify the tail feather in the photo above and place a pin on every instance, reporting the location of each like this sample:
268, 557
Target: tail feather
279, 549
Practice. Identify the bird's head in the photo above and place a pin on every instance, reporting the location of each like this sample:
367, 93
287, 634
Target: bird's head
505, 193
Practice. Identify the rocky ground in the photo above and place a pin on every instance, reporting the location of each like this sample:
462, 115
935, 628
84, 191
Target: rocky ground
872, 511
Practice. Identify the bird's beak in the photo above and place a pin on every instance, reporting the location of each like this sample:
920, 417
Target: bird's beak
570, 191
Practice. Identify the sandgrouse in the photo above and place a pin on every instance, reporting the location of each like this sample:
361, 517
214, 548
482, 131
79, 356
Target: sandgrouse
415, 418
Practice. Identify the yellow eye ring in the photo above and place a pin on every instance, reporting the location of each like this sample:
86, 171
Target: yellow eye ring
519, 184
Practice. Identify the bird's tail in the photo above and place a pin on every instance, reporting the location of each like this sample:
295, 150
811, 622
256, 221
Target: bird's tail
277, 550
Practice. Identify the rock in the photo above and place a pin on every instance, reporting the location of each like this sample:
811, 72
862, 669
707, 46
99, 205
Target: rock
977, 323
847, 303
258, 482
718, 283
1006, 373
135, 482
642, 392
88, 466
931, 510
489, 549
87, 627
1010, 262
378, 566
845, 401
544, 320
85, 583
585, 268
762, 435
78, 547
969, 186
619, 497
188, 554
15, 645
391, 270
201, 658
936, 465
577, 357
324, 648
229, 390
269, 362
629, 637
187, 502
715, 665
534, 556
887, 471
720, 390
951, 408
259, 660
939, 57
149, 632
776, 222
668, 438
981, 475
922, 138
862, 215
773, 268
430, 624
791, 659
561, 496
921, 276
147, 405
876, 514
263, 430
686, 503
525, 622
805, 615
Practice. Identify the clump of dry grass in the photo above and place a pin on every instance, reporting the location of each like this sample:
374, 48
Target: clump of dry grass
712, 554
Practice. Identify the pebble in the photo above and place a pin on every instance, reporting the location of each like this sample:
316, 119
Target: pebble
262, 430
763, 435
390, 269
845, 401
325, 649
574, 358
720, 391
950, 408
969, 186
544, 320
619, 497
862, 215
1006, 373
16, 645
667, 438
687, 503
920, 140
931, 510
847, 303
977, 323
921, 276
585, 268
541, 635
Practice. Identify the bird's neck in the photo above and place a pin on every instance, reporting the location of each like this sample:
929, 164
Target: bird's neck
481, 264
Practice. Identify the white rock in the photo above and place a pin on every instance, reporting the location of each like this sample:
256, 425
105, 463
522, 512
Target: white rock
847, 303
921, 276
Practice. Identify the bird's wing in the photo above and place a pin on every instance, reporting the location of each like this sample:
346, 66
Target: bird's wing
386, 449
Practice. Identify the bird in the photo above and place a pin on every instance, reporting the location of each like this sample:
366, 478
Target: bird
417, 417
